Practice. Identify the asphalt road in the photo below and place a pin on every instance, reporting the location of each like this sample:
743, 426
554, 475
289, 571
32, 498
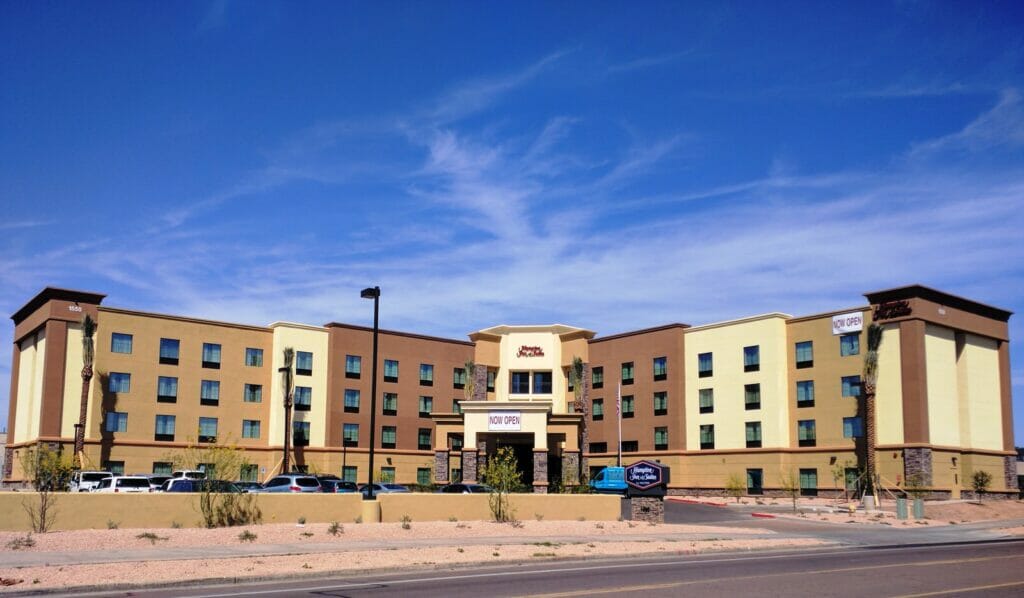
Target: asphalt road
988, 569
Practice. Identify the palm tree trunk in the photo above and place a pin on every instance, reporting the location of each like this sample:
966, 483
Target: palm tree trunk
871, 432
82, 415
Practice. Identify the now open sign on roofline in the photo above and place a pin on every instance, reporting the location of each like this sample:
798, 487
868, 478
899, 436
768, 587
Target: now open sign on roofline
504, 421
846, 323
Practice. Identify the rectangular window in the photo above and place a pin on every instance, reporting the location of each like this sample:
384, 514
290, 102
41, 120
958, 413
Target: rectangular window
303, 398
755, 481
250, 428
808, 482
351, 400
598, 447
661, 439
459, 378
120, 343
752, 396
456, 442
349, 473
166, 389
753, 434
390, 370
162, 468
707, 437
705, 365
423, 476
627, 372
300, 433
627, 406
542, 383
804, 354
455, 475
207, 429
426, 406
390, 403
164, 428
853, 427
660, 368
426, 374
519, 383
120, 382
353, 366
169, 351
423, 439
597, 410
350, 434
805, 393
211, 356
706, 398
254, 357
248, 472
851, 386
630, 446
849, 344
387, 475
752, 358
388, 436
597, 377
253, 393
117, 421
456, 406
303, 363
806, 433
209, 393
491, 374
661, 403
114, 467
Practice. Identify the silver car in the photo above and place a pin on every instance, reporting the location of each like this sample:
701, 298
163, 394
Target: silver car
292, 482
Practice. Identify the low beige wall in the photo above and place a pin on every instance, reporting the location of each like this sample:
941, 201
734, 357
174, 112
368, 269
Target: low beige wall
475, 507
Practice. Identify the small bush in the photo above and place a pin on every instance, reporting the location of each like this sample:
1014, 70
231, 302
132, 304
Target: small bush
406, 522
462, 550
302, 521
307, 534
980, 482
19, 543
359, 519
175, 525
246, 536
111, 524
335, 528
453, 519
151, 537
538, 516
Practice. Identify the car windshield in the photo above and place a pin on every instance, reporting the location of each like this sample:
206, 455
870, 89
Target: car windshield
306, 482
395, 487
133, 483
94, 477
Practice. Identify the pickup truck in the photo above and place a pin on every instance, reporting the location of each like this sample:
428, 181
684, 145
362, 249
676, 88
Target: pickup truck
610, 480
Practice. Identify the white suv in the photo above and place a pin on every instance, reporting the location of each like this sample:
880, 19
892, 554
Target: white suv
124, 483
86, 481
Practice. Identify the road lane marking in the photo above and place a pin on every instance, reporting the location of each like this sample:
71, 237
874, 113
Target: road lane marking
959, 590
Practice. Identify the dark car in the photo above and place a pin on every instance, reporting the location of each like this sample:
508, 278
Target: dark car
249, 486
338, 486
388, 488
187, 485
465, 489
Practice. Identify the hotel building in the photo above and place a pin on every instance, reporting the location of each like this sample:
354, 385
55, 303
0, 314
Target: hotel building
760, 399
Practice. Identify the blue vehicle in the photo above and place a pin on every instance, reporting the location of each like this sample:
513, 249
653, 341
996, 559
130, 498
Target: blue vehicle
610, 480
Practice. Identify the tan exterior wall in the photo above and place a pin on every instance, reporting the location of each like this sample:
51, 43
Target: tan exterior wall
943, 404
889, 387
30, 388
551, 361
475, 507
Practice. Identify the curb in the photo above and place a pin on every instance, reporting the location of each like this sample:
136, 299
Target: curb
763, 515
691, 501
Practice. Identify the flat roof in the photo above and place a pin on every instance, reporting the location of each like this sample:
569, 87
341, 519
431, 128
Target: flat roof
50, 293
937, 296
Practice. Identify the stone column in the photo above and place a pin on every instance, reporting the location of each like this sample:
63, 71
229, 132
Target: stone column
481, 456
647, 508
570, 467
441, 467
469, 466
1010, 472
479, 374
917, 462
540, 471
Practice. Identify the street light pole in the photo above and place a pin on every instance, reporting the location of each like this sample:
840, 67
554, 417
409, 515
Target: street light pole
373, 293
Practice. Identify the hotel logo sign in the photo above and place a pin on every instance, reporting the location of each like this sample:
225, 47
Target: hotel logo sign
504, 421
528, 351
644, 475
846, 323
893, 309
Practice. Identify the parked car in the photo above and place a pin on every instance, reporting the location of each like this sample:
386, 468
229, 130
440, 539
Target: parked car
156, 481
334, 484
187, 485
124, 483
610, 480
292, 482
466, 489
382, 489
192, 474
84, 481
249, 486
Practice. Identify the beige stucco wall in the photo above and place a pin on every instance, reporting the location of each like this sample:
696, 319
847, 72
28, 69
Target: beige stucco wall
981, 417
533, 418
73, 384
301, 338
30, 388
550, 361
943, 405
889, 387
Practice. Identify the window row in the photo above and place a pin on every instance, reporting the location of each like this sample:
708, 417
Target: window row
628, 406
388, 437
853, 427
849, 344
170, 353
627, 373
752, 394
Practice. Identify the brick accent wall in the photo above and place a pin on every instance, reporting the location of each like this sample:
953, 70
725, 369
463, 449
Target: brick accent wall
540, 471
647, 508
918, 462
469, 466
441, 467
570, 468
479, 374
1010, 472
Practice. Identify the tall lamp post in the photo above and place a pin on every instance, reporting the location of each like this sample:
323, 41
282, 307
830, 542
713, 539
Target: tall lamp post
373, 293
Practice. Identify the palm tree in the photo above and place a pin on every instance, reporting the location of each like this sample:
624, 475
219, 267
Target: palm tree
868, 392
577, 375
287, 373
88, 355
469, 388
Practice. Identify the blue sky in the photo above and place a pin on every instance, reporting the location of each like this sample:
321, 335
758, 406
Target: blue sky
606, 165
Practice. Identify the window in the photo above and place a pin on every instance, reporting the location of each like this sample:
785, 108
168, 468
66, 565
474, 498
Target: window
253, 393
211, 356
209, 393
349, 473
752, 358
705, 368
426, 374
120, 343
706, 400
390, 370
630, 446
387, 436
169, 351
851, 386
661, 439
254, 357
120, 382
804, 355
303, 398
456, 406
627, 372
520, 383
490, 380
597, 377
753, 434
207, 429
755, 481
423, 439
163, 467
808, 482
351, 400
853, 427
350, 434
353, 366
660, 368
542, 383
752, 396
456, 475
805, 393
456, 442
426, 406
849, 344
597, 410
164, 428
303, 363
661, 403
249, 472
117, 421
568, 381
598, 447
459, 378
423, 476
387, 475
707, 436
851, 477
805, 432
627, 406
300, 433
250, 428
166, 390
114, 467
390, 403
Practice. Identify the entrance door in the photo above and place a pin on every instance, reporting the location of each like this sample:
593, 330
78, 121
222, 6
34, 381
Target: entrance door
522, 448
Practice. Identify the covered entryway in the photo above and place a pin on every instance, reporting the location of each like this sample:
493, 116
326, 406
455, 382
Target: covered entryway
521, 445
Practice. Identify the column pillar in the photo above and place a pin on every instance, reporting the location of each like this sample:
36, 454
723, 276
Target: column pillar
570, 467
540, 471
441, 467
479, 374
469, 474
917, 465
1010, 472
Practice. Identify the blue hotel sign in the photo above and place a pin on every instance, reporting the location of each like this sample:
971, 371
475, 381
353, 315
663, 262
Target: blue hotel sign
644, 475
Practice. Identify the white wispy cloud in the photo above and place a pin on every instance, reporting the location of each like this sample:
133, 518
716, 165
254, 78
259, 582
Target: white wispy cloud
1003, 125
648, 62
